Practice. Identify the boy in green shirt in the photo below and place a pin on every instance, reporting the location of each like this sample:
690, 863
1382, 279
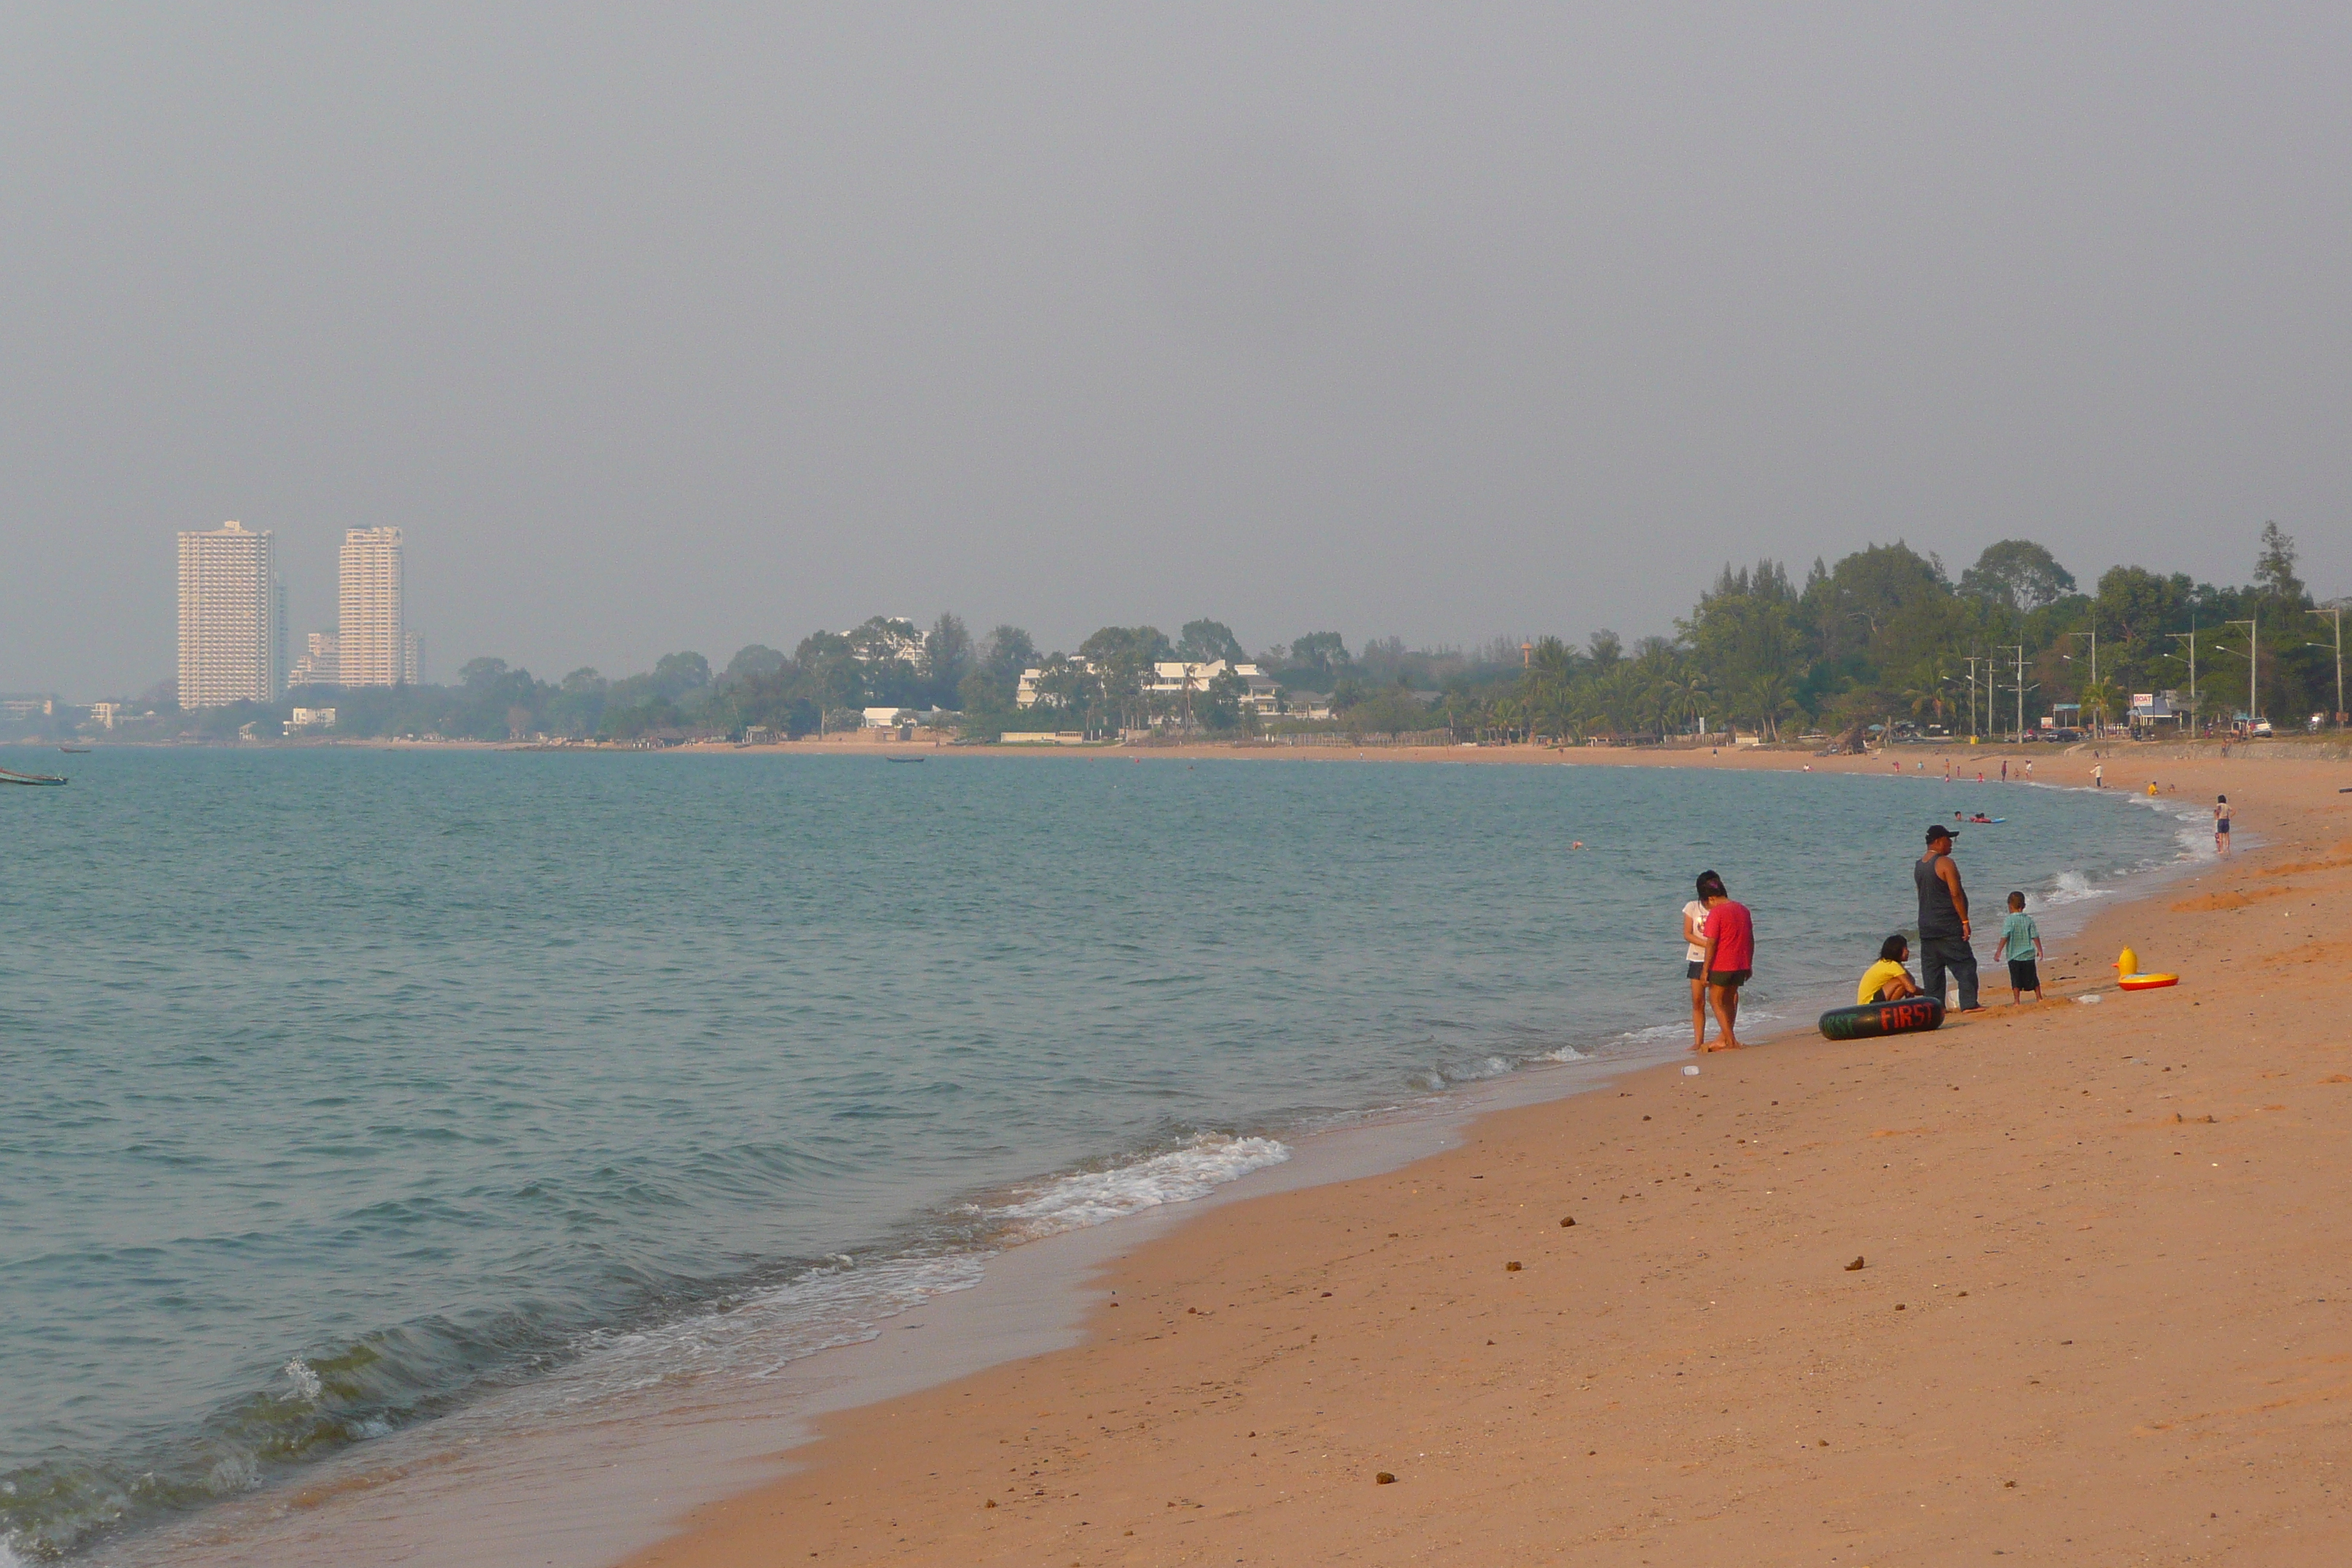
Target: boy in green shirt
2020, 944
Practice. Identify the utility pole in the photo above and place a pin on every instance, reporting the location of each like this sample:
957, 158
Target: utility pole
2190, 637
2335, 612
2019, 649
2253, 669
1972, 662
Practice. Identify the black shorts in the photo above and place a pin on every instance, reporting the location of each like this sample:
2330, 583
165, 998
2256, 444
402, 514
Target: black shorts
2024, 974
1730, 979
1697, 969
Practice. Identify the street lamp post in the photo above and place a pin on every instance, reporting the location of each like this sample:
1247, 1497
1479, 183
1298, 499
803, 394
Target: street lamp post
2094, 634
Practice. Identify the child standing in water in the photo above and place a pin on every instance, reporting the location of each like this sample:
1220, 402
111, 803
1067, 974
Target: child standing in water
1695, 954
2020, 944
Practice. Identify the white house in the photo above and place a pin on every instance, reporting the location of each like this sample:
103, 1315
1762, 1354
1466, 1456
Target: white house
1174, 679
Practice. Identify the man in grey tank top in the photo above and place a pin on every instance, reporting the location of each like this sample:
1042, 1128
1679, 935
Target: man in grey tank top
1944, 921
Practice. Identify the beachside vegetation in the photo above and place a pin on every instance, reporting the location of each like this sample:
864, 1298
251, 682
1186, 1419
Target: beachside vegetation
1884, 636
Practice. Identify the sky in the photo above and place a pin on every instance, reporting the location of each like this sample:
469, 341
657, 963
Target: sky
689, 327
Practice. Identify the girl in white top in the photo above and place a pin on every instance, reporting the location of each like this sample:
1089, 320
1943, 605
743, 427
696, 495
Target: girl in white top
1694, 956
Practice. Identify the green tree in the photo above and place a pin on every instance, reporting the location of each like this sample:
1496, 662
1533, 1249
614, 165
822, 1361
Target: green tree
1207, 641
946, 650
2017, 575
1317, 658
751, 661
1004, 655
2274, 572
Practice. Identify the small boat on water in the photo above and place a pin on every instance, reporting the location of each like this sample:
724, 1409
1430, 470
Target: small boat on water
10, 775
75, 751
906, 759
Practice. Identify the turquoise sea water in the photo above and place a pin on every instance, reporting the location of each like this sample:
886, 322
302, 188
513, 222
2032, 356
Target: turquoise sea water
346, 1086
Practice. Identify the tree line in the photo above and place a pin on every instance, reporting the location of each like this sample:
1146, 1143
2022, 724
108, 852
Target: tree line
1885, 633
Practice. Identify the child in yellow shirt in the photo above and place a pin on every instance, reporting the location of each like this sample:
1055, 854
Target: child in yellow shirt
1887, 980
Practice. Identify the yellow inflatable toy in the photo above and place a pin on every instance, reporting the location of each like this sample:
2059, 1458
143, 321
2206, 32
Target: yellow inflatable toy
2129, 978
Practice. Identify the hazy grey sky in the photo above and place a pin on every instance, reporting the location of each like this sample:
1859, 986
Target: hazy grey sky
688, 326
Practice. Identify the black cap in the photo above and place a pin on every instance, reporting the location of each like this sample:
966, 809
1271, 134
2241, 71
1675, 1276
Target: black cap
1938, 831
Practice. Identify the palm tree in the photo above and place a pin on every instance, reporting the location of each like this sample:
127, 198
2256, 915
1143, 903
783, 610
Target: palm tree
2101, 698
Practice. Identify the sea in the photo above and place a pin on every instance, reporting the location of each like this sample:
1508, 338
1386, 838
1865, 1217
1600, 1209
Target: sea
352, 1090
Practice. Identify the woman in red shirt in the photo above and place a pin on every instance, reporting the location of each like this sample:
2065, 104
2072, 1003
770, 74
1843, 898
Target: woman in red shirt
1730, 937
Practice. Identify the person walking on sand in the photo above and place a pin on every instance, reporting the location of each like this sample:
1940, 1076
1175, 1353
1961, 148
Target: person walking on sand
1730, 937
1695, 954
2221, 824
1944, 921
2098, 775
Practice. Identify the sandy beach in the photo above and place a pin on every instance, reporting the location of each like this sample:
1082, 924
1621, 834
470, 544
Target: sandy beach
2101, 1312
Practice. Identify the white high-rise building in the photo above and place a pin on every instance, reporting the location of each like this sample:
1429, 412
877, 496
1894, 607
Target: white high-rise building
373, 643
230, 641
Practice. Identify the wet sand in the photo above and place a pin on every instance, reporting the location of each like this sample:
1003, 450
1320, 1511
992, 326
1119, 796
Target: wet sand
2104, 1311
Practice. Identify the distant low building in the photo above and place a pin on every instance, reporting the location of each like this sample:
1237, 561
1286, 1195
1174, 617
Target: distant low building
312, 719
107, 715
18, 708
320, 663
2154, 710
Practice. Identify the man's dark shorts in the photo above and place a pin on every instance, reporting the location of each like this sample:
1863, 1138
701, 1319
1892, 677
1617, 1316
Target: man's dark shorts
2024, 974
1732, 979
1697, 969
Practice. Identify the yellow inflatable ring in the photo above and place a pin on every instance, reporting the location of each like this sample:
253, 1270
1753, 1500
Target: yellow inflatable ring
2148, 981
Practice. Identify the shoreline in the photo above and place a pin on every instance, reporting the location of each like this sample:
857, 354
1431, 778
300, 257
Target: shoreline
855, 1462
1046, 1279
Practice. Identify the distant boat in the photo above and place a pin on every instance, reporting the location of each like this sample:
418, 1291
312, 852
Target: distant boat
906, 759
9, 775
75, 751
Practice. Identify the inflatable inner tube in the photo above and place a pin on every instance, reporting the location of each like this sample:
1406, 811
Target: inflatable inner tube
2148, 981
1911, 1015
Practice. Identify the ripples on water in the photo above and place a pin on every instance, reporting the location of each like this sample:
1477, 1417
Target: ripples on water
347, 1085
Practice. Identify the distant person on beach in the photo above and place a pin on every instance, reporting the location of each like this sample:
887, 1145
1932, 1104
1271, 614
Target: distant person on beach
1887, 980
1944, 920
2098, 775
1729, 934
1695, 954
2221, 824
2021, 947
